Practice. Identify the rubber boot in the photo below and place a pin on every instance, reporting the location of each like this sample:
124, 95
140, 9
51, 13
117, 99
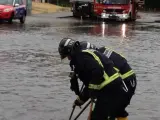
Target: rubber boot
122, 118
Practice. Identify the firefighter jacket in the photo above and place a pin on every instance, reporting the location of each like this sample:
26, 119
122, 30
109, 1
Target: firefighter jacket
120, 63
95, 70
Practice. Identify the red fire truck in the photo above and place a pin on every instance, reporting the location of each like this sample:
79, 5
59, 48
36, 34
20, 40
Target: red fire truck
106, 9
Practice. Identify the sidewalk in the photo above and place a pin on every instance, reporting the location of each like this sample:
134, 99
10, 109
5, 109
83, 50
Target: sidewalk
38, 8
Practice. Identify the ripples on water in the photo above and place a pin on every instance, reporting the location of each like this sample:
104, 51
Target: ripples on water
34, 83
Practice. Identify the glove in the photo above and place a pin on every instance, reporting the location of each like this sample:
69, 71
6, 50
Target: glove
74, 84
78, 102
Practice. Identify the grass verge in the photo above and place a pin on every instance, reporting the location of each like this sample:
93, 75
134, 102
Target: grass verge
39, 8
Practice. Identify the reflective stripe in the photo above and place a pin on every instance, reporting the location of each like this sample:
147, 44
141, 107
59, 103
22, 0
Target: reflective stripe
107, 81
114, 51
129, 73
124, 76
88, 45
105, 52
66, 43
93, 104
108, 53
106, 77
116, 69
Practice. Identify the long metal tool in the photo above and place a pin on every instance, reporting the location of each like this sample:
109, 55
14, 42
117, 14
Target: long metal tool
75, 105
83, 110
72, 112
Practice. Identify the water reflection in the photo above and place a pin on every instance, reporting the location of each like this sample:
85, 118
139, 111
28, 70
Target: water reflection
123, 30
16, 26
103, 29
109, 29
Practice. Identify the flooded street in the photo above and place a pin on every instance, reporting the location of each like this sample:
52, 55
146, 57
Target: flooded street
34, 82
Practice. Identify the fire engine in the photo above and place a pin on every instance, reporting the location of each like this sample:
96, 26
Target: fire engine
106, 9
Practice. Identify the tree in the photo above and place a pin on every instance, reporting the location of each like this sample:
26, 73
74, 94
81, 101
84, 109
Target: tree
151, 4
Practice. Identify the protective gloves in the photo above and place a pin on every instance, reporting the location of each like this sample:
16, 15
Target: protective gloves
78, 102
74, 83
82, 98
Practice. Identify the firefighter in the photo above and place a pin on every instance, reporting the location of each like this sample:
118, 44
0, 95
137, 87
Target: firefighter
121, 65
103, 84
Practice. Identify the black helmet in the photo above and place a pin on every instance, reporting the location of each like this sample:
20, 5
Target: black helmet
68, 47
87, 45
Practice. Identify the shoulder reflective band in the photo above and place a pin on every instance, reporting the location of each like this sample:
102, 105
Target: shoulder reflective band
106, 77
108, 52
109, 49
129, 73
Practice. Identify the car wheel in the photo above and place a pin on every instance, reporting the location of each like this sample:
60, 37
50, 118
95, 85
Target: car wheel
11, 19
22, 19
129, 19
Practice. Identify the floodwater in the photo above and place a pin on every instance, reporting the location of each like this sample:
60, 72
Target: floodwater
34, 83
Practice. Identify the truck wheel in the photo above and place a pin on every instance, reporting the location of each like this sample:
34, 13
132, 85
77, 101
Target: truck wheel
22, 19
75, 15
92, 17
129, 19
10, 20
134, 20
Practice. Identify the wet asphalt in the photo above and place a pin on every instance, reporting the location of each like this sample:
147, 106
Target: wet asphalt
34, 83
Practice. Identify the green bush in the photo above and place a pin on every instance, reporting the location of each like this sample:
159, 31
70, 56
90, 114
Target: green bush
64, 3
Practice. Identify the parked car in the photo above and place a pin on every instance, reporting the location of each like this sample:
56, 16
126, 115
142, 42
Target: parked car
12, 9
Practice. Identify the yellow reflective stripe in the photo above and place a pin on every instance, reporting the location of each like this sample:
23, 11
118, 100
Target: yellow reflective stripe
116, 69
92, 86
129, 73
95, 57
124, 76
98, 87
93, 106
106, 77
99, 61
